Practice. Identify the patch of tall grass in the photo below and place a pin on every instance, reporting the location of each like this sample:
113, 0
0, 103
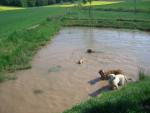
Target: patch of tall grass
22, 45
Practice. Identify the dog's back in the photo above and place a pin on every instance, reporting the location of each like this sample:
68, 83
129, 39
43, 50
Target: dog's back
122, 79
115, 71
105, 75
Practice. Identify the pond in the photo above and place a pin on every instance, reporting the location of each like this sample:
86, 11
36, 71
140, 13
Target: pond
56, 81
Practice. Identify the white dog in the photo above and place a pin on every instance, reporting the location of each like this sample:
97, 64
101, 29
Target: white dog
81, 61
116, 80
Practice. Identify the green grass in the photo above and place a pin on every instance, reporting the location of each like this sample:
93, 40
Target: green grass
17, 44
111, 19
22, 45
127, 5
118, 15
129, 99
16, 20
22, 32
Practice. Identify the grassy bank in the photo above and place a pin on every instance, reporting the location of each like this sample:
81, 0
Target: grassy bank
118, 15
22, 45
22, 32
107, 23
132, 98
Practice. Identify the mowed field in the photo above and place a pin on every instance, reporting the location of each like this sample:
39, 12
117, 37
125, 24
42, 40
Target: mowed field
119, 14
24, 30
13, 20
127, 5
18, 40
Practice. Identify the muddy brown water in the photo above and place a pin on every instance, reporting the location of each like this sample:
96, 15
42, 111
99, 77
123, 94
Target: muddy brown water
56, 82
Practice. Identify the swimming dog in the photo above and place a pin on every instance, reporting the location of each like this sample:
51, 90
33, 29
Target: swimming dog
81, 61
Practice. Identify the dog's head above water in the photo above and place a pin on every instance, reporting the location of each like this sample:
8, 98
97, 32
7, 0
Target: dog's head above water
105, 74
90, 51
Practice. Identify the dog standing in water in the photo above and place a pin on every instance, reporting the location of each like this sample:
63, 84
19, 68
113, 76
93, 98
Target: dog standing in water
117, 80
105, 75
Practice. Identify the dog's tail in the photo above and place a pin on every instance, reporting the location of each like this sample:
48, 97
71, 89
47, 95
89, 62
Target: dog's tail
128, 79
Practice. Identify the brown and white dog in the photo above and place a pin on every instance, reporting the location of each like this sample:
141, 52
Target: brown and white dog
81, 61
117, 80
105, 75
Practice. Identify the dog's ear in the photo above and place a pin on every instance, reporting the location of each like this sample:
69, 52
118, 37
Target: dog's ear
101, 71
102, 74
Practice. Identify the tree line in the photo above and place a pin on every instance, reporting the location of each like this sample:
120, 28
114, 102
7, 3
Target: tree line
31, 3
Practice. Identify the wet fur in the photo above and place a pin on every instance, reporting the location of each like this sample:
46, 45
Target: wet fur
105, 75
117, 80
90, 51
81, 61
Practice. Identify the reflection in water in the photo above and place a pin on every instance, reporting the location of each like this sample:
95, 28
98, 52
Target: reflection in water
88, 38
56, 82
